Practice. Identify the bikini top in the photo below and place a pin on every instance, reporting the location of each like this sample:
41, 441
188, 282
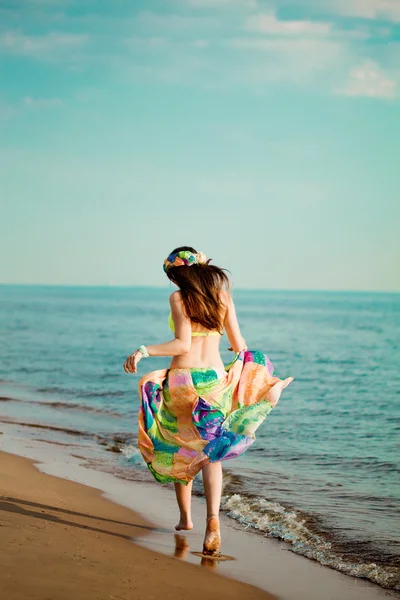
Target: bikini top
194, 333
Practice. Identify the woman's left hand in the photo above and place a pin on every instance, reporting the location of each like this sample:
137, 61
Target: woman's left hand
130, 365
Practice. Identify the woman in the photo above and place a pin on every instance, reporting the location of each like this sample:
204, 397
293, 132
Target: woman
199, 412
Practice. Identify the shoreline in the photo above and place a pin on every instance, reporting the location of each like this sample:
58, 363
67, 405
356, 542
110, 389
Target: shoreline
248, 554
73, 542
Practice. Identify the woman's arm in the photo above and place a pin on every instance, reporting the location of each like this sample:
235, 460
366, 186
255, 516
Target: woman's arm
180, 345
232, 326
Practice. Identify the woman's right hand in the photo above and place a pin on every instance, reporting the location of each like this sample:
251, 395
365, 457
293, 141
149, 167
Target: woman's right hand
130, 365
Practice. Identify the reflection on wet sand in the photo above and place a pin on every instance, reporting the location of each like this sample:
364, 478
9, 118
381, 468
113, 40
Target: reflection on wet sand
182, 548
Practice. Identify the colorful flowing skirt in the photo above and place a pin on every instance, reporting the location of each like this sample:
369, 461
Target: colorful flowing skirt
189, 417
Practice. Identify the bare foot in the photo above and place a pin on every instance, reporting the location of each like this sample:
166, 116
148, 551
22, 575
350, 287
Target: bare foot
276, 390
212, 539
184, 524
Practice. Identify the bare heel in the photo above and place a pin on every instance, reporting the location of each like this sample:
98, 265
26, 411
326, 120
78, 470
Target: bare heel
212, 538
184, 524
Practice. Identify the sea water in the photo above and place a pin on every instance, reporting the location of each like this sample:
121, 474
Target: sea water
324, 472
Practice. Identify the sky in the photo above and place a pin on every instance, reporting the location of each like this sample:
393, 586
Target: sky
265, 133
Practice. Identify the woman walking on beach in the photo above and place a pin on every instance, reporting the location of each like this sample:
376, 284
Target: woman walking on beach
200, 412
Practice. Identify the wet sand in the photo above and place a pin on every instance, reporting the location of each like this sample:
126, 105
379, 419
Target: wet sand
62, 540
111, 509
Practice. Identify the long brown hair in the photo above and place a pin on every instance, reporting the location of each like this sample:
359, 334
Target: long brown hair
200, 286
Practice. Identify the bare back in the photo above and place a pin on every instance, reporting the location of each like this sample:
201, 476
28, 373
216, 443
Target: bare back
204, 351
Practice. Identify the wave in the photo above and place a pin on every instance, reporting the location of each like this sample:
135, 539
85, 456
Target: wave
81, 393
130, 451
274, 520
47, 427
64, 405
71, 392
118, 442
83, 407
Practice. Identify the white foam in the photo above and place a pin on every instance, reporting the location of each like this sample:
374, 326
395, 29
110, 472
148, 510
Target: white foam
130, 451
275, 520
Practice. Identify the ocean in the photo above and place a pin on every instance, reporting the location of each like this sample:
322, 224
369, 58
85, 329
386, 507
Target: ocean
324, 472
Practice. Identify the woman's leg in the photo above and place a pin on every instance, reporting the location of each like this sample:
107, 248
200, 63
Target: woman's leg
212, 481
184, 499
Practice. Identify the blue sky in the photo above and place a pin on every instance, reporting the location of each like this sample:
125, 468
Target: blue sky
265, 133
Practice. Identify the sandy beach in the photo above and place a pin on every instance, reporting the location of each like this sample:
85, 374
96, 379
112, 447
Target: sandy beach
81, 533
62, 540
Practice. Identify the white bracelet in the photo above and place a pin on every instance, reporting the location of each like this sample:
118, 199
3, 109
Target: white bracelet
143, 351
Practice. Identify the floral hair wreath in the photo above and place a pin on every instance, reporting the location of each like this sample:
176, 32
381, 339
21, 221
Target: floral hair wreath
184, 258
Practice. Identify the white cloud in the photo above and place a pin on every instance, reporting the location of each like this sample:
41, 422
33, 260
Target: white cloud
269, 23
8, 111
15, 42
46, 2
369, 9
146, 43
221, 3
369, 80
298, 47
201, 43
147, 20
286, 60
31, 102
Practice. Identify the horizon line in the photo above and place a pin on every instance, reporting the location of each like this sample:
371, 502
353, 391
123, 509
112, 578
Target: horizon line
161, 287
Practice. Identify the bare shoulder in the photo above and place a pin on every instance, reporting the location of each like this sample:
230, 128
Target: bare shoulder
176, 304
226, 298
175, 298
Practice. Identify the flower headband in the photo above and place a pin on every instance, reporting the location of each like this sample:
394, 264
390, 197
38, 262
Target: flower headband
184, 258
